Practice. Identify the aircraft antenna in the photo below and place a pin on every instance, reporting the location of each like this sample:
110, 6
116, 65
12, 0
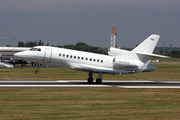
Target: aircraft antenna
113, 36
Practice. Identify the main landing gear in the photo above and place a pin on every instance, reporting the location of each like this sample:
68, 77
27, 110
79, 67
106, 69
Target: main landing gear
98, 80
37, 67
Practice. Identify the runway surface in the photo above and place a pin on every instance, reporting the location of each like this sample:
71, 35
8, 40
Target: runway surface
84, 84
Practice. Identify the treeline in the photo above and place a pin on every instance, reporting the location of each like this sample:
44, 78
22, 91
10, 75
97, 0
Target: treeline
79, 46
173, 53
30, 44
84, 47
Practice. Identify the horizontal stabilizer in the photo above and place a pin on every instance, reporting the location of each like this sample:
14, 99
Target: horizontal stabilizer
151, 54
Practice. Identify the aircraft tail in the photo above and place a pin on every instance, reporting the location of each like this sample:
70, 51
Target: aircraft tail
142, 52
145, 50
148, 45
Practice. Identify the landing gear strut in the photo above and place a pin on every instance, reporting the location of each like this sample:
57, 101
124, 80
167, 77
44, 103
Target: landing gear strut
98, 80
37, 67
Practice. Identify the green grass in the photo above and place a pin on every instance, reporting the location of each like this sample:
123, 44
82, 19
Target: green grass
89, 103
163, 72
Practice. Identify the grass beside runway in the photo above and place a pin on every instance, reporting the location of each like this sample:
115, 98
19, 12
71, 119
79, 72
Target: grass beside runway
163, 72
89, 103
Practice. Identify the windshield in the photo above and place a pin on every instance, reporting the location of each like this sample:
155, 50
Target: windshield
35, 49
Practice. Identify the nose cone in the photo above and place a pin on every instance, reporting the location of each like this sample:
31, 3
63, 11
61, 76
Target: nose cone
20, 54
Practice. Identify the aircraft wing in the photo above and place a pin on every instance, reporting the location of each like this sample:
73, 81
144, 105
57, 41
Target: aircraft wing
97, 70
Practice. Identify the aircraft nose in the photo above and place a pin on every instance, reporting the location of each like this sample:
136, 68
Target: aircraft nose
20, 55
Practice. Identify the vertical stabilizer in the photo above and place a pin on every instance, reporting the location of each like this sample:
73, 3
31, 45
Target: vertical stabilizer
148, 45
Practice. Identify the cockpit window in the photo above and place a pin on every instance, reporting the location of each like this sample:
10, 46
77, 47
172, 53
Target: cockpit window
31, 49
34, 49
38, 49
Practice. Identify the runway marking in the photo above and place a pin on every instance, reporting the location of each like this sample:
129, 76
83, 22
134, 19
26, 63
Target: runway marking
104, 81
148, 86
83, 84
40, 86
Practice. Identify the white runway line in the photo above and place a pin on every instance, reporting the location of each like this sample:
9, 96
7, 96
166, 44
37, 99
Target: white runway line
62, 81
24, 81
77, 84
169, 81
148, 86
69, 81
40, 86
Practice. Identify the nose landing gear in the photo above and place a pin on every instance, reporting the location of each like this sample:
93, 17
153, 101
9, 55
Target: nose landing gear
37, 71
37, 67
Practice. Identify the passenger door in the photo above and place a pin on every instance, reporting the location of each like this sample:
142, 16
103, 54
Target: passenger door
47, 55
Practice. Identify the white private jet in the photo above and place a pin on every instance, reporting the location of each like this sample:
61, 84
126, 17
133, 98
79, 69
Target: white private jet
117, 62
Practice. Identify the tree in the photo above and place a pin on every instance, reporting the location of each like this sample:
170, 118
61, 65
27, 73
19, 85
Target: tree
101, 50
69, 46
80, 44
20, 44
176, 53
39, 43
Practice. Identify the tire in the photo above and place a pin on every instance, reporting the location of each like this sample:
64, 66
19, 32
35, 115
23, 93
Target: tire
98, 81
36, 71
90, 80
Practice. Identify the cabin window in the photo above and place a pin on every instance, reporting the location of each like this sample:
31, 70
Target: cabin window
101, 61
90, 59
97, 60
86, 58
82, 58
67, 55
71, 56
63, 55
74, 57
60, 54
94, 60
78, 57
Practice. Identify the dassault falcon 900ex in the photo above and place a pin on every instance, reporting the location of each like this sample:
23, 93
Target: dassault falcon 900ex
117, 62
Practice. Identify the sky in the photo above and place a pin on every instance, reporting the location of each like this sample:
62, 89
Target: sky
62, 22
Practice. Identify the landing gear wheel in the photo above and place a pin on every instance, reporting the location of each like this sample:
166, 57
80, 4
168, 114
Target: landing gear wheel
37, 71
37, 67
90, 80
98, 81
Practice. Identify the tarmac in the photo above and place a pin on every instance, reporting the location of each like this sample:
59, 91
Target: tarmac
85, 84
